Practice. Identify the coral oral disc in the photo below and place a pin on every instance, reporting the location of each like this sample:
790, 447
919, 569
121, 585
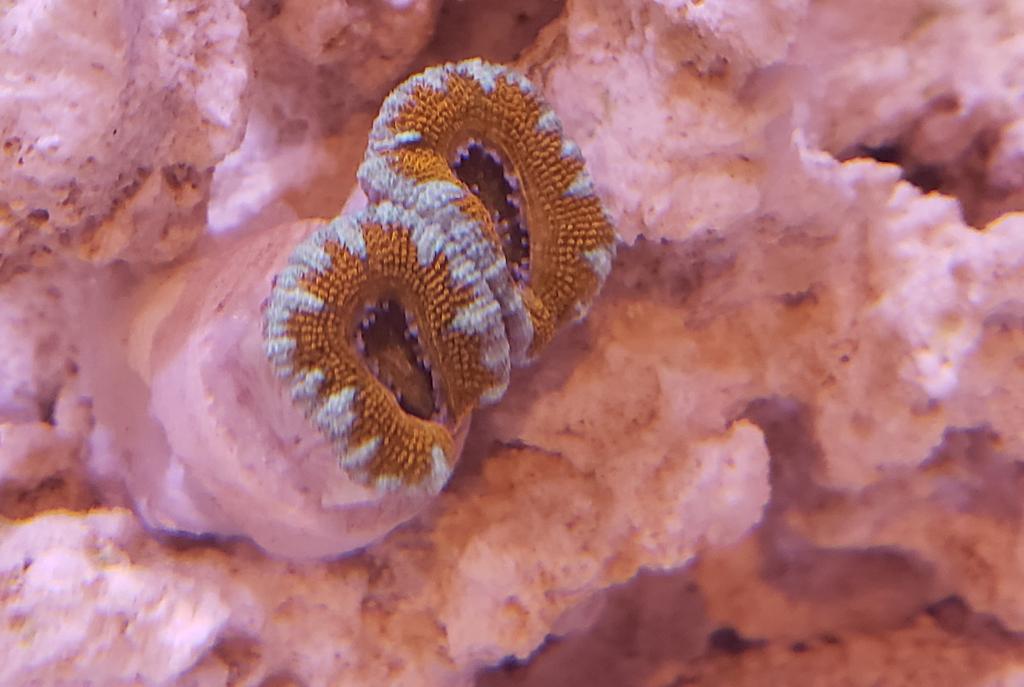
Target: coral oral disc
389, 341
483, 171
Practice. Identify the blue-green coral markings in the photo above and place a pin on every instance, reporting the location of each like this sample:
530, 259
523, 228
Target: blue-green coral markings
482, 236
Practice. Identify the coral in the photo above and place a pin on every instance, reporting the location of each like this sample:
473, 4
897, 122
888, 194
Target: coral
783, 448
452, 269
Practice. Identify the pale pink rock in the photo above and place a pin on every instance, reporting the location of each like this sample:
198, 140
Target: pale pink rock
931, 281
960, 511
36, 351
43, 418
655, 632
30, 452
316, 62
1006, 165
248, 185
830, 286
717, 36
701, 84
408, 611
114, 117
898, 368
319, 74
326, 33
596, 508
936, 87
79, 610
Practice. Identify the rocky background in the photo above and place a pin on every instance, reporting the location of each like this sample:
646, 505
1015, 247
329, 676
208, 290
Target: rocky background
785, 448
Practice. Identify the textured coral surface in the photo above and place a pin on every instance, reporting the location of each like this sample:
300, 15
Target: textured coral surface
784, 448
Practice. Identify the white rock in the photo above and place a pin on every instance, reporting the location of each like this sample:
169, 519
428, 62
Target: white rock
76, 606
113, 118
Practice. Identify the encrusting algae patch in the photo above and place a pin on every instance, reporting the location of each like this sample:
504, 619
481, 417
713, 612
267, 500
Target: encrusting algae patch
483, 236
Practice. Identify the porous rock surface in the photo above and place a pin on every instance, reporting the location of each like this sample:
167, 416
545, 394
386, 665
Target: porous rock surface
790, 426
112, 118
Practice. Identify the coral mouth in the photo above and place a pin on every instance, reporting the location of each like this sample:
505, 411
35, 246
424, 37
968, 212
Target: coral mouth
493, 180
388, 339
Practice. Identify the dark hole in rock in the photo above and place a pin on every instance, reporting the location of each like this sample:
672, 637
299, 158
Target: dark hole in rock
728, 641
509, 664
271, 9
390, 343
889, 153
39, 215
178, 175
951, 614
926, 177
798, 298
485, 175
48, 409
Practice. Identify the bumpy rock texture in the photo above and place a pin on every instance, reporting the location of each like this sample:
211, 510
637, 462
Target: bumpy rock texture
112, 120
790, 426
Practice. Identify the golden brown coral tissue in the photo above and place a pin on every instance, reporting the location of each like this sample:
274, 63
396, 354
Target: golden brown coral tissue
483, 236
